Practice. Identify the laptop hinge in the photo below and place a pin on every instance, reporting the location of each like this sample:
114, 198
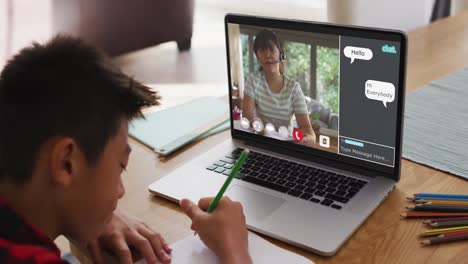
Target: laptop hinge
315, 159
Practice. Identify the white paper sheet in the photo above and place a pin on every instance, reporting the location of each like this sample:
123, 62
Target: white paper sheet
192, 250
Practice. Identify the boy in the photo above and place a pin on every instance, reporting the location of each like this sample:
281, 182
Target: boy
64, 113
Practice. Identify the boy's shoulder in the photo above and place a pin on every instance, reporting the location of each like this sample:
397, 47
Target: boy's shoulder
20, 242
11, 252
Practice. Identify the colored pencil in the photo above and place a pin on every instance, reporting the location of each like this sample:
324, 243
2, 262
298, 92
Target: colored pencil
449, 223
439, 231
429, 214
441, 202
438, 208
438, 220
453, 234
441, 195
440, 240
415, 199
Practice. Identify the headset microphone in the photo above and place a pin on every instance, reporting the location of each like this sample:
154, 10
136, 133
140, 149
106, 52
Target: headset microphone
281, 60
282, 57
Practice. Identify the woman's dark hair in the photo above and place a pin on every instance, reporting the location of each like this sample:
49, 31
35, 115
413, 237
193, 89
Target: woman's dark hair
62, 88
265, 39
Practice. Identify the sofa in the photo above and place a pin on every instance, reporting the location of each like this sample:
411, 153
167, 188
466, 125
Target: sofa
326, 118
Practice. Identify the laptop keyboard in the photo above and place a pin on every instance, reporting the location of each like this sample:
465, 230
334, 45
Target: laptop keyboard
315, 185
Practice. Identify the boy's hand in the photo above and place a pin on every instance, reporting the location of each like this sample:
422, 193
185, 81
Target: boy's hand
123, 231
224, 230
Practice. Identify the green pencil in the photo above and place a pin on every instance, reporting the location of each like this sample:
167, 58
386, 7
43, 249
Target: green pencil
233, 173
231, 176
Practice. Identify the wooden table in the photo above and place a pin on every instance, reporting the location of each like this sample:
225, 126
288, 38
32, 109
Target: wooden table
435, 50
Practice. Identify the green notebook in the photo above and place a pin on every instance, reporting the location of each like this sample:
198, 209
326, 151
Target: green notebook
170, 129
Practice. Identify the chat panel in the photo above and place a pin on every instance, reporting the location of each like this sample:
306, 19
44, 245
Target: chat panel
369, 72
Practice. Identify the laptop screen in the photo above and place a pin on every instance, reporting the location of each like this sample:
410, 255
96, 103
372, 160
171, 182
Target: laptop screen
333, 90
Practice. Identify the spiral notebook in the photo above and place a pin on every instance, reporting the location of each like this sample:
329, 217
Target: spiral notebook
168, 130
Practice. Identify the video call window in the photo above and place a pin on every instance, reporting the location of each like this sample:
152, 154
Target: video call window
308, 103
286, 86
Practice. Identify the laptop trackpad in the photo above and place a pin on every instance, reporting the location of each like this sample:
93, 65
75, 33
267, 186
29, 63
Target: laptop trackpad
257, 205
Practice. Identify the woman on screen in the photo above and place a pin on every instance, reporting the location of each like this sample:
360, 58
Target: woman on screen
270, 95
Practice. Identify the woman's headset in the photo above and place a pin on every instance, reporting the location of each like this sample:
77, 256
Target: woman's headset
282, 57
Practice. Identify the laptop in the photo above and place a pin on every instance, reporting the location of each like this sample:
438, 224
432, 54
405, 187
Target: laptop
342, 84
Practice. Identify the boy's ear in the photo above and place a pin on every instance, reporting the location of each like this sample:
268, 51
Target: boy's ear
64, 161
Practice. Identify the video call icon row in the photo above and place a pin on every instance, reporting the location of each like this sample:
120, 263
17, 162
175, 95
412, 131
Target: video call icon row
269, 128
283, 132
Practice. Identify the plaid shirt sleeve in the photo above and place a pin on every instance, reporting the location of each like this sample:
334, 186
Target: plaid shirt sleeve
21, 242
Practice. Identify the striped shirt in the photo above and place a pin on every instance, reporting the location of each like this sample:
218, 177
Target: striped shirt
275, 108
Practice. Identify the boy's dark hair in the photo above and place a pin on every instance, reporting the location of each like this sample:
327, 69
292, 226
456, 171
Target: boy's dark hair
62, 88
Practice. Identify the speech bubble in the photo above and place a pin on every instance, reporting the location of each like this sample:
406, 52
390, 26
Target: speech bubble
380, 91
357, 53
